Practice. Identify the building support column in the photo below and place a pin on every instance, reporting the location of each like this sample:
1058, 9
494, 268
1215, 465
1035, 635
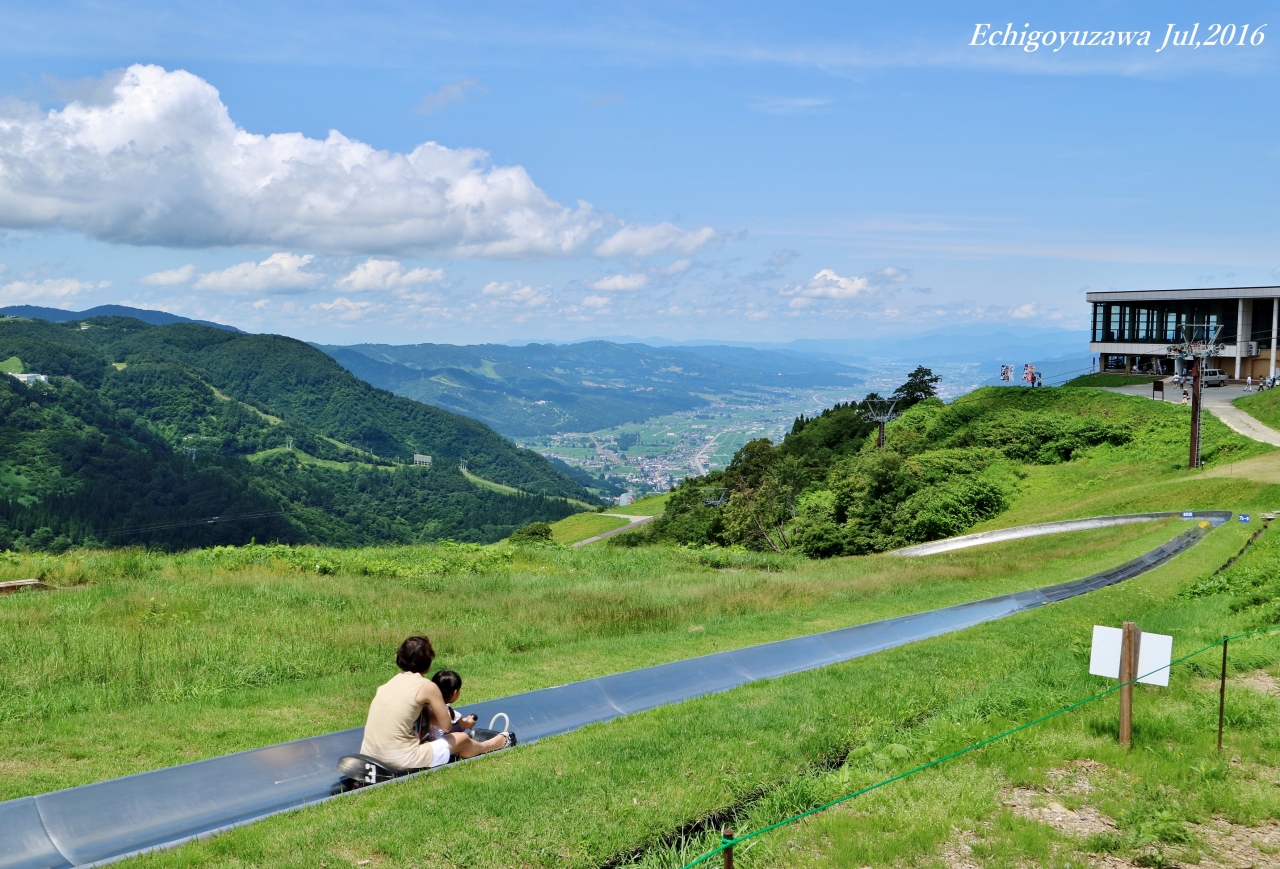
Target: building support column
1275, 316
1240, 336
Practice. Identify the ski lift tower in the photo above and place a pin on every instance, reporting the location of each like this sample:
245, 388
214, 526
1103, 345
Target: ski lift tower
1198, 344
881, 410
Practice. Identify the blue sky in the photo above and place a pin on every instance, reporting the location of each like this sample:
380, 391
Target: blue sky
730, 171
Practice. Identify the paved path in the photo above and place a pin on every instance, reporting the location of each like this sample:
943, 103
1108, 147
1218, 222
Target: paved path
1217, 400
636, 522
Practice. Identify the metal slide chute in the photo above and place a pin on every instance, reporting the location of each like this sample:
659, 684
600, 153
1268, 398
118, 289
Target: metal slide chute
109, 820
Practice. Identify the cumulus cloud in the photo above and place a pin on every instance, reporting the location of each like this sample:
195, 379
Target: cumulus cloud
347, 310
515, 293
829, 285
453, 92
159, 161
385, 274
169, 277
46, 290
635, 240
622, 282
280, 272
680, 265
596, 302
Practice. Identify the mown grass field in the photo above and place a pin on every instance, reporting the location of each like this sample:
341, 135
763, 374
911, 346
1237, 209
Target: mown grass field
653, 505
145, 660
1264, 406
581, 526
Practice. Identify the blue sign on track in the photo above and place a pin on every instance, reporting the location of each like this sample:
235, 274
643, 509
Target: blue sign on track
1187, 514
1244, 517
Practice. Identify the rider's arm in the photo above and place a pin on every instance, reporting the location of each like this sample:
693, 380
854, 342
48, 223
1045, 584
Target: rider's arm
430, 697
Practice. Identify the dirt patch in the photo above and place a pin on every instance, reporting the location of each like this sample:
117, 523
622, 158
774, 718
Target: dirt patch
1226, 845
1082, 822
1259, 680
1238, 846
958, 852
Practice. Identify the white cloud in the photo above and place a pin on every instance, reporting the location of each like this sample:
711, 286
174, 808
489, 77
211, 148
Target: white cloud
827, 284
47, 290
680, 265
1032, 311
633, 240
453, 92
347, 310
278, 272
781, 257
515, 293
597, 302
622, 282
385, 274
159, 161
169, 277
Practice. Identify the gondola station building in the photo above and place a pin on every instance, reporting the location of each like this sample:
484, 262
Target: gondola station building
1132, 330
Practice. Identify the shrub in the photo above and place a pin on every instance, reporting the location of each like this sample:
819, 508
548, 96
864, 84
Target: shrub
534, 532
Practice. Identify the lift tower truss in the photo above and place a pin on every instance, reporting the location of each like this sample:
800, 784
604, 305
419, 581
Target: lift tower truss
1199, 342
881, 410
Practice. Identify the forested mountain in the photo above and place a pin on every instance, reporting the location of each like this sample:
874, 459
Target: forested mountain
143, 430
545, 388
57, 315
828, 489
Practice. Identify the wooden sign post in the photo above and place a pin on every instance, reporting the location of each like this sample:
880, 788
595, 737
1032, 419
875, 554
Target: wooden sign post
1129, 645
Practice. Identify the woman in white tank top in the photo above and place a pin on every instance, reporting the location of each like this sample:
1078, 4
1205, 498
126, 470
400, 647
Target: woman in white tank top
389, 734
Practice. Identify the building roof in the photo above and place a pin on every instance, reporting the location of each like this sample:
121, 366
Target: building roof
1210, 294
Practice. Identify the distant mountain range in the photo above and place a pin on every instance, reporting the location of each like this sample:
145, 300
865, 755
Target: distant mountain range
948, 344
57, 315
544, 388
184, 434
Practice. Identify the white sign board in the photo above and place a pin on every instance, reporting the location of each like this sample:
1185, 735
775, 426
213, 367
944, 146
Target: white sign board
1155, 651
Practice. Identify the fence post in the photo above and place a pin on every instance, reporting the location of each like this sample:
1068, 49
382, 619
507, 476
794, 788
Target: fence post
1222, 693
1128, 672
727, 835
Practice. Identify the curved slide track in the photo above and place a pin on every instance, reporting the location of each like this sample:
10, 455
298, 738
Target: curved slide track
999, 535
109, 820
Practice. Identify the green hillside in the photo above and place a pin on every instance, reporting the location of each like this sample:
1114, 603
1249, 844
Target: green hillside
169, 658
828, 490
143, 426
545, 388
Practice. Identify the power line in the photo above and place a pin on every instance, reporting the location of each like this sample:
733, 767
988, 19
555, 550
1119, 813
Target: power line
208, 520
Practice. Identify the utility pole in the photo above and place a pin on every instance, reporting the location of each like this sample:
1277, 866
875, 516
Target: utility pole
1197, 353
881, 410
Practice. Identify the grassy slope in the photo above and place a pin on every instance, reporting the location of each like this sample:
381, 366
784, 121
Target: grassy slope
581, 526
1111, 380
650, 506
1264, 406
304, 651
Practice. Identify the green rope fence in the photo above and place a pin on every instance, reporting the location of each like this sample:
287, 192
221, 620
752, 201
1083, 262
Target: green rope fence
726, 843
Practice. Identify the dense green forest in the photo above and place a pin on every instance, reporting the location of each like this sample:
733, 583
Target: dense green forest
182, 435
828, 490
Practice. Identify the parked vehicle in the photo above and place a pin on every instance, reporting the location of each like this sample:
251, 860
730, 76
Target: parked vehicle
1214, 377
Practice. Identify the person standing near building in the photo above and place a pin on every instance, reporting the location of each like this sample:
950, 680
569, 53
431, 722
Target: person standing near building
1248, 383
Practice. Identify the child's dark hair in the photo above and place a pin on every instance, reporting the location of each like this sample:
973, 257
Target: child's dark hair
448, 682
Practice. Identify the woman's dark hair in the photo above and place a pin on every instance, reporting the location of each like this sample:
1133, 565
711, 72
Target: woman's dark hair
448, 682
415, 655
